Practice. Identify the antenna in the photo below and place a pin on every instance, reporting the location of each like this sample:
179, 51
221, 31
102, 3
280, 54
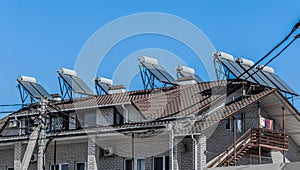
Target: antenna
154, 75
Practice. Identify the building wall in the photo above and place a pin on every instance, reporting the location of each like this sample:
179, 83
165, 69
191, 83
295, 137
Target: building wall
222, 138
7, 157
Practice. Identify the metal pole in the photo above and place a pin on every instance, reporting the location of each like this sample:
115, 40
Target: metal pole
132, 151
54, 156
259, 133
172, 148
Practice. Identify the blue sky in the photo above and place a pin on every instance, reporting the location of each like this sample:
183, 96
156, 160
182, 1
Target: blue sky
38, 37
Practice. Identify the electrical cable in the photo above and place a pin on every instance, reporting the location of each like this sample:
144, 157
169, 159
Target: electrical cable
273, 58
296, 26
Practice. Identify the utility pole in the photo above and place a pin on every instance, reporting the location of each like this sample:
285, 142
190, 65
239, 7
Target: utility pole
42, 136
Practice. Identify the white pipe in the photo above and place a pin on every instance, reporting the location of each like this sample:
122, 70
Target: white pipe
195, 152
126, 113
20, 125
172, 149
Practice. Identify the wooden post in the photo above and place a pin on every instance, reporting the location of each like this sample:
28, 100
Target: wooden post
283, 129
259, 133
234, 137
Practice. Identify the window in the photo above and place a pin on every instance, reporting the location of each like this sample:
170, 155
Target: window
240, 122
128, 164
161, 163
81, 166
139, 164
229, 124
60, 167
118, 118
57, 124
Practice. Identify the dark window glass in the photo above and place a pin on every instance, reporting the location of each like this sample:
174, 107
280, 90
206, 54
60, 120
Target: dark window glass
167, 161
158, 163
80, 166
128, 165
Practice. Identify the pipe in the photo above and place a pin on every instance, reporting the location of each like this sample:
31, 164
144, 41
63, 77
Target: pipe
20, 125
172, 147
126, 113
195, 152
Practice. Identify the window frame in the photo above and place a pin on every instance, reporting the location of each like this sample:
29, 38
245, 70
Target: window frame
164, 161
85, 165
135, 163
59, 165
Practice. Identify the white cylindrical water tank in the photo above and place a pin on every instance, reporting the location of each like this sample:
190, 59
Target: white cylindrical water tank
104, 81
266, 69
245, 62
67, 71
148, 60
184, 69
222, 55
27, 79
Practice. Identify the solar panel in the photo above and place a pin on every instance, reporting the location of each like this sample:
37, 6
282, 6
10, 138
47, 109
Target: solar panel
256, 77
236, 70
287, 87
160, 73
69, 80
84, 86
165, 74
31, 90
104, 87
41, 89
183, 71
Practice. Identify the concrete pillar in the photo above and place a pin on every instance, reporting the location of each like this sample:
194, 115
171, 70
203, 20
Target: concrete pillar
92, 161
199, 148
18, 156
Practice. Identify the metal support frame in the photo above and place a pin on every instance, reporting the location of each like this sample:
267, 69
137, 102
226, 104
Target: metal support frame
99, 90
221, 72
25, 95
65, 89
148, 79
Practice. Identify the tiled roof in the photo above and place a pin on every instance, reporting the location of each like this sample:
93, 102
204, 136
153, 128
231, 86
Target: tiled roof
175, 101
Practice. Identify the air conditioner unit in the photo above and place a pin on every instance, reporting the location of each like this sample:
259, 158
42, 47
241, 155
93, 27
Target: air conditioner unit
109, 151
33, 158
13, 124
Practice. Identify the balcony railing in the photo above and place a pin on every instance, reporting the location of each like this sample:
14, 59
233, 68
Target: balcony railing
269, 139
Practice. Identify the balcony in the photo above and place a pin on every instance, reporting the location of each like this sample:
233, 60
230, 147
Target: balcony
265, 139
269, 140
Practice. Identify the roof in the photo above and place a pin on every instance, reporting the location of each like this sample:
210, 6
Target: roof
174, 101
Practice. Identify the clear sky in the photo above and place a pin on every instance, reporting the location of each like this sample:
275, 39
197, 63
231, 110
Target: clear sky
38, 37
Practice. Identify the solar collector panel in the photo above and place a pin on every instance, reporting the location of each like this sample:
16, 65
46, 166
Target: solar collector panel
41, 90
69, 80
287, 87
256, 77
83, 86
31, 90
156, 73
170, 79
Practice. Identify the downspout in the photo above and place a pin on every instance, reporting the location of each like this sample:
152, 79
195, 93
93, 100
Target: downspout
172, 147
195, 152
20, 125
126, 113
